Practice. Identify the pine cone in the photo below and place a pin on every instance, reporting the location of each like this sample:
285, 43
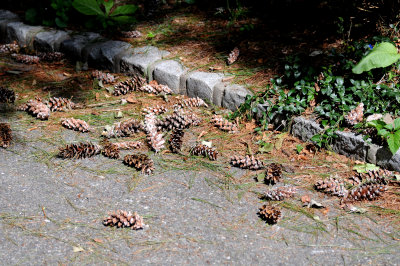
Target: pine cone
355, 116
9, 48
270, 214
224, 124
177, 120
79, 151
75, 124
36, 108
246, 162
51, 56
176, 140
127, 145
122, 129
332, 186
376, 176
60, 104
192, 102
154, 139
140, 162
369, 191
122, 219
7, 95
104, 77
233, 56
205, 151
161, 88
26, 59
110, 150
131, 34
129, 85
273, 173
157, 110
280, 193
5, 135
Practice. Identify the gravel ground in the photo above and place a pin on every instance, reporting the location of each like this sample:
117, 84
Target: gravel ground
51, 212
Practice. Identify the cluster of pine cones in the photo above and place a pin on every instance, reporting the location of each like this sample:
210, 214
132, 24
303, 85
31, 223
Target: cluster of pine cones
361, 186
42, 109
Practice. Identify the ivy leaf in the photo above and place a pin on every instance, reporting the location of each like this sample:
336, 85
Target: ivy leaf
124, 10
397, 124
88, 7
393, 141
383, 55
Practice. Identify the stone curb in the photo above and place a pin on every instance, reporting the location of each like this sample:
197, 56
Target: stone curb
98, 52
349, 144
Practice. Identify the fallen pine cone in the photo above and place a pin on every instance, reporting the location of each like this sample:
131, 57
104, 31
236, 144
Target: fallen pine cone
140, 162
246, 162
121, 219
79, 150
75, 124
5, 135
204, 151
233, 56
270, 214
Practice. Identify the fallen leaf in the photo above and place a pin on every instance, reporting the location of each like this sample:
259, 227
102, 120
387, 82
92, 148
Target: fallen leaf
201, 135
97, 96
325, 211
153, 83
66, 74
34, 82
130, 99
260, 60
95, 113
32, 128
305, 198
250, 126
77, 249
228, 79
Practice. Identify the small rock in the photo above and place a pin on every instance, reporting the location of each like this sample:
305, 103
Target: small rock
374, 117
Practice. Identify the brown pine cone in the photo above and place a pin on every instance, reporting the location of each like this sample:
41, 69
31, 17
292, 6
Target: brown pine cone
368, 191
332, 186
273, 173
129, 85
75, 124
37, 108
192, 102
178, 120
355, 116
26, 59
154, 139
106, 78
60, 104
377, 176
51, 56
176, 140
224, 124
9, 48
128, 145
5, 135
157, 110
140, 162
7, 95
122, 219
280, 193
233, 56
131, 34
110, 150
79, 150
270, 214
246, 162
122, 129
205, 151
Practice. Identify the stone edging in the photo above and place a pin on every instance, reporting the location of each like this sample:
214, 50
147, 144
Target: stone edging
94, 50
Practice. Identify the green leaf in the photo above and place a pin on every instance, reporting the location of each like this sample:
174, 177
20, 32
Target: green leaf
124, 10
393, 141
299, 148
397, 124
124, 19
60, 23
266, 147
88, 7
383, 55
108, 5
31, 15
363, 168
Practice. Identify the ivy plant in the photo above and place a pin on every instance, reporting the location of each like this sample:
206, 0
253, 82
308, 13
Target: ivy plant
106, 12
389, 132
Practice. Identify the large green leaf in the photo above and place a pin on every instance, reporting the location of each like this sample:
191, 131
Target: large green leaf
383, 55
393, 141
88, 7
124, 10
108, 5
124, 19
